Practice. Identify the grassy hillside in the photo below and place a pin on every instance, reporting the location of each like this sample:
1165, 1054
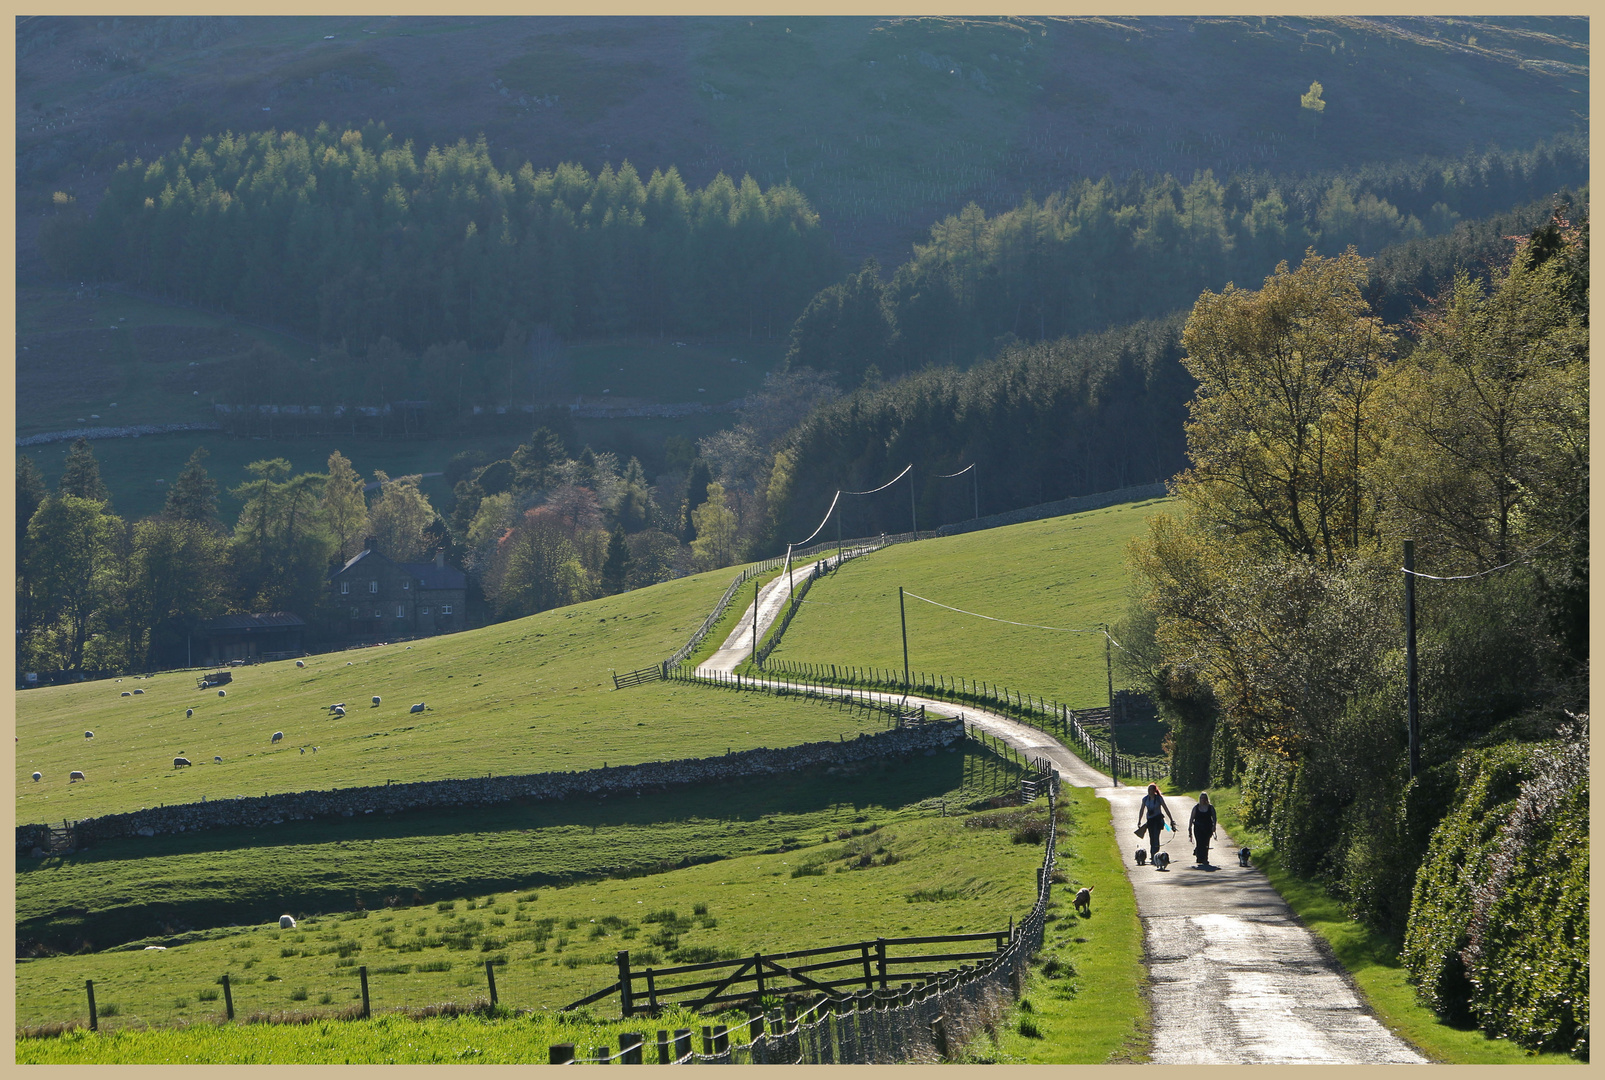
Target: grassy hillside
559, 944
1066, 572
886, 124
525, 696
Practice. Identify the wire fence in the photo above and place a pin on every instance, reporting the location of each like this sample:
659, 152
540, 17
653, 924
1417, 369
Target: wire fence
1087, 729
927, 1019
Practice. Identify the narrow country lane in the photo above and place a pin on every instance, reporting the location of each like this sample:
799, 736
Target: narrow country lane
1236, 978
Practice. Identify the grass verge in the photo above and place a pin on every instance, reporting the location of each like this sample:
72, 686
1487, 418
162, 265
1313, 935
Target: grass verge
1084, 1002
1371, 959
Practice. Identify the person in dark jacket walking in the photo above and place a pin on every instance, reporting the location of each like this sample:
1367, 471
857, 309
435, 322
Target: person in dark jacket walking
1201, 828
1151, 817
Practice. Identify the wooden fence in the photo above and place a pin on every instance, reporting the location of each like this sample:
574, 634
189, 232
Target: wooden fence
926, 1017
829, 969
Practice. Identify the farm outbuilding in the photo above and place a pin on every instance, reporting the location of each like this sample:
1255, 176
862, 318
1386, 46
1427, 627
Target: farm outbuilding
272, 636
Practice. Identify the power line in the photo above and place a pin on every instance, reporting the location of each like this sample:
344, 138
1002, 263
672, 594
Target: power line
961, 472
1504, 566
1011, 622
884, 486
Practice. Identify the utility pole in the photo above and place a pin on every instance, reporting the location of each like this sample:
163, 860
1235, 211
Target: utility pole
1109, 671
1412, 703
903, 615
912, 520
975, 479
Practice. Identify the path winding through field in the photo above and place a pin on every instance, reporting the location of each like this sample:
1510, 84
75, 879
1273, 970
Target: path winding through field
1237, 979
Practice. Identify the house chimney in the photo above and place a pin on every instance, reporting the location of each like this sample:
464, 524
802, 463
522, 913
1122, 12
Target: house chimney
368, 543
440, 558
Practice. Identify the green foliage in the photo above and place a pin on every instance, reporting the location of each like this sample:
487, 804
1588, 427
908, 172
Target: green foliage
1102, 253
353, 237
1498, 931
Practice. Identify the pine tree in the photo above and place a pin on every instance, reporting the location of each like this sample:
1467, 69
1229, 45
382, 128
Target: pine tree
619, 565
193, 496
81, 476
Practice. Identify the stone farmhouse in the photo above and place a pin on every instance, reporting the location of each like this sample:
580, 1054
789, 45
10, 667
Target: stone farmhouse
377, 599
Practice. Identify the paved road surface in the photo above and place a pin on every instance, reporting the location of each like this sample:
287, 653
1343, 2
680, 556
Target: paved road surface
1236, 978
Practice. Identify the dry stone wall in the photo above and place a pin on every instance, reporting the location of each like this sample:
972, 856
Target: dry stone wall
395, 798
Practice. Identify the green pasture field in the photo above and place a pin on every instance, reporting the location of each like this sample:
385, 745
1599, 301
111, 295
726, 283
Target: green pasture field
1065, 572
533, 695
1372, 959
145, 888
917, 875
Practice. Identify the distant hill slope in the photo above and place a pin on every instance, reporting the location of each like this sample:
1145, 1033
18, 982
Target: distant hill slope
885, 124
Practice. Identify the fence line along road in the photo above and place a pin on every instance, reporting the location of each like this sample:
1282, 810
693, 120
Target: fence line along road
923, 1021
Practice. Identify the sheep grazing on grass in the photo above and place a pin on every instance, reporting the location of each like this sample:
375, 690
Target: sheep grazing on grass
139, 691
417, 708
75, 776
222, 693
180, 762
337, 705
303, 749
217, 759
188, 713
125, 693
376, 699
38, 776
300, 663
286, 922
277, 735
339, 710
89, 734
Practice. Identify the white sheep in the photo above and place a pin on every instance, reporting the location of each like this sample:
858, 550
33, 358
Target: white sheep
277, 735
89, 734
222, 693
376, 699
339, 712
300, 663
180, 762
286, 922
139, 690
217, 759
125, 693
75, 776
337, 705
38, 776
188, 713
417, 708
303, 749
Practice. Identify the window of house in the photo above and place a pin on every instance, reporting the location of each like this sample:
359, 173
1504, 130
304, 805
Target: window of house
373, 586
355, 614
423, 609
401, 611
445, 609
345, 588
407, 584
378, 614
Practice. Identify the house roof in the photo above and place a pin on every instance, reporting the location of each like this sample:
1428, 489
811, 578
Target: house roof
431, 576
275, 620
428, 574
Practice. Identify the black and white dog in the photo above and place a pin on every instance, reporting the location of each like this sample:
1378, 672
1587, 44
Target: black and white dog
1162, 860
1142, 856
1242, 857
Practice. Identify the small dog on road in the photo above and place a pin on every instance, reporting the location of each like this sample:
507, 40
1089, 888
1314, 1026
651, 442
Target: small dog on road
1084, 902
1162, 860
1242, 857
1142, 856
